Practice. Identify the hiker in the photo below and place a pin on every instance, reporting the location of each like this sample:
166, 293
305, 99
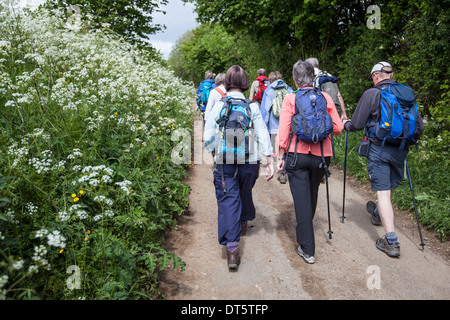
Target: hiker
271, 103
326, 82
304, 162
258, 86
385, 160
204, 90
236, 173
218, 93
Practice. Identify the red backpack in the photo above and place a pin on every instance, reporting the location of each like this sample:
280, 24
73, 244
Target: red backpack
262, 86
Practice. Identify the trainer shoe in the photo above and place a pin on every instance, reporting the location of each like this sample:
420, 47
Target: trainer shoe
309, 259
370, 207
392, 250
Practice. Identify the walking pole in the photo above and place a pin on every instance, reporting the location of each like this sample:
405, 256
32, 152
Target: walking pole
345, 175
414, 201
327, 174
328, 201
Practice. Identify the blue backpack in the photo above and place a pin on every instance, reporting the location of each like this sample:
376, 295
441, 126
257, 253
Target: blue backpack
398, 117
205, 90
311, 122
234, 123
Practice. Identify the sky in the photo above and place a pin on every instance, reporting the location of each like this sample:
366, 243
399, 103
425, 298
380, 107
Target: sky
179, 18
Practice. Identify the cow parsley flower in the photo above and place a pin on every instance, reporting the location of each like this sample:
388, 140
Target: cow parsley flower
124, 186
55, 239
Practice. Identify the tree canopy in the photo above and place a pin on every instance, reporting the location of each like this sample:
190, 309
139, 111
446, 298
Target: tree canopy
130, 18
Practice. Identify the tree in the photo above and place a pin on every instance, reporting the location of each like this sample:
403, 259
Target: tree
129, 18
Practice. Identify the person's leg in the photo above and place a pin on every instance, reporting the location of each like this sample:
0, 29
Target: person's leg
247, 175
316, 176
299, 183
385, 210
380, 173
229, 204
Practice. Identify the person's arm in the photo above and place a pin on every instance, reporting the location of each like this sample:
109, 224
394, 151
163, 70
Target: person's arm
253, 91
266, 104
214, 97
343, 113
263, 140
338, 126
210, 133
284, 128
366, 104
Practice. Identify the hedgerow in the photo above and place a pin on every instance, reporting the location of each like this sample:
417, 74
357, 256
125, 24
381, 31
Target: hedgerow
87, 183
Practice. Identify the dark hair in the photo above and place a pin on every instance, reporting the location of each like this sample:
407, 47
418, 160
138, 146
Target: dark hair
236, 78
303, 73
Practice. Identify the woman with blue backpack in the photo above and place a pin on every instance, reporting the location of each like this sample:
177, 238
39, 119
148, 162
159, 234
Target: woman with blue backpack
236, 132
308, 118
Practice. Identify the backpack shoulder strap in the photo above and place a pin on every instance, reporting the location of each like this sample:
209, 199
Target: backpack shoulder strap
220, 91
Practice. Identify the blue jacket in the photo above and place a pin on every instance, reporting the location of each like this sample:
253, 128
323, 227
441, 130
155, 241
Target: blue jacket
271, 122
199, 90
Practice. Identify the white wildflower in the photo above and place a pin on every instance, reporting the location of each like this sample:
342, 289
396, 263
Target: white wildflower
18, 265
55, 239
41, 233
124, 186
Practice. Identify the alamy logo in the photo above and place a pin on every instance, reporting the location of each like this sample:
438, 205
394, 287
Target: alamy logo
74, 281
374, 20
374, 279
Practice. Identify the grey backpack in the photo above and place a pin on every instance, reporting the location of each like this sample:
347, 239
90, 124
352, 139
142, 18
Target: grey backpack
327, 83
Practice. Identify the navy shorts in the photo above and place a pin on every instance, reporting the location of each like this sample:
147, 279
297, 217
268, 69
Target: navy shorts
385, 166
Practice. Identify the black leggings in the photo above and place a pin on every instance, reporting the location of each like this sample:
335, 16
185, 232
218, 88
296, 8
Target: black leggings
305, 176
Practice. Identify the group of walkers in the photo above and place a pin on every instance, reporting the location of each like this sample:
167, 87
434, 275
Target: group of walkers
292, 130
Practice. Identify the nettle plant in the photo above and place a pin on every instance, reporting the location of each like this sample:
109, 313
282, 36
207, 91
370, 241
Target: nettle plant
86, 177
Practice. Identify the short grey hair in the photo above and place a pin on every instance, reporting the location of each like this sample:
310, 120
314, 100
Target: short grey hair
313, 61
220, 79
303, 73
261, 72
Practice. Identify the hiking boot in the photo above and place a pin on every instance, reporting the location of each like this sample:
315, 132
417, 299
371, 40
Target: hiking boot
233, 259
309, 259
243, 228
370, 207
392, 250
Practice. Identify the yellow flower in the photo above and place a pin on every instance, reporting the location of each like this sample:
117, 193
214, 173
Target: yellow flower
85, 239
61, 251
115, 113
76, 199
81, 191
139, 127
73, 195
89, 232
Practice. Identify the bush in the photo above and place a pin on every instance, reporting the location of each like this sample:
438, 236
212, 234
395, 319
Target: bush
87, 184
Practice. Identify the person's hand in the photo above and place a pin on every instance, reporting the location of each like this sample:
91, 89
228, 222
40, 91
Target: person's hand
280, 165
269, 168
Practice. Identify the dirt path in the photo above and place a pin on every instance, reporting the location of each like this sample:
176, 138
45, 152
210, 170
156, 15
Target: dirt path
347, 267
